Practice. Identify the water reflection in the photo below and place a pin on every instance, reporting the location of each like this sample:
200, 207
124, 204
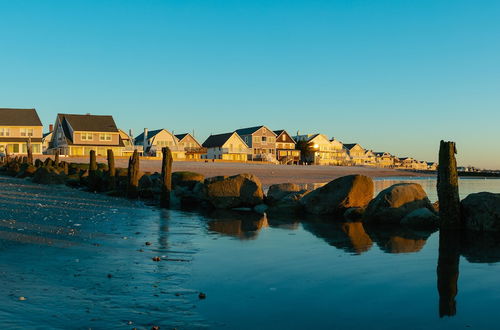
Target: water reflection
481, 247
398, 239
447, 272
348, 236
243, 225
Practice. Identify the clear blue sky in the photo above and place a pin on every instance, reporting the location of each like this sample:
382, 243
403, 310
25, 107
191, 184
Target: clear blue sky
394, 76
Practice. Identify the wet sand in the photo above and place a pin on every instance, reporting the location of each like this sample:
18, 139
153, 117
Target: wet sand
267, 173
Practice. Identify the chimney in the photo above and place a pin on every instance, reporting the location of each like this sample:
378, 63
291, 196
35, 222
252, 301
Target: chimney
145, 141
51, 128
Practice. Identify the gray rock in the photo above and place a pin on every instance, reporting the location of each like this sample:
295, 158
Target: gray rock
481, 211
339, 195
394, 203
277, 192
48, 175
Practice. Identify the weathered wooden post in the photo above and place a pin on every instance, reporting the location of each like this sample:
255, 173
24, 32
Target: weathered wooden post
56, 158
111, 170
166, 175
133, 176
92, 161
29, 149
447, 187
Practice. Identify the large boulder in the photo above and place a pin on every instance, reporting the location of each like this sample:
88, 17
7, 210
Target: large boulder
481, 211
339, 195
394, 203
186, 179
242, 190
422, 218
277, 192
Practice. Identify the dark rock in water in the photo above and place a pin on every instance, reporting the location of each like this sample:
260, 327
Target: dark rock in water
421, 219
354, 213
277, 192
392, 204
49, 175
339, 195
73, 180
242, 190
26, 170
481, 211
435, 207
290, 204
186, 179
202, 295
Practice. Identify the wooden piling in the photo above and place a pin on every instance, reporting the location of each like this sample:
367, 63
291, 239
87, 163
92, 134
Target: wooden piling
111, 170
166, 175
448, 271
29, 148
92, 161
56, 158
133, 176
447, 187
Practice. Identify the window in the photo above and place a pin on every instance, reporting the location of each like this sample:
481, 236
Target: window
87, 137
264, 139
4, 131
26, 131
104, 137
283, 138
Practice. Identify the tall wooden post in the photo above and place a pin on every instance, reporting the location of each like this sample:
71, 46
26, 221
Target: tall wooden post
56, 158
111, 170
447, 187
30, 152
92, 161
166, 175
133, 176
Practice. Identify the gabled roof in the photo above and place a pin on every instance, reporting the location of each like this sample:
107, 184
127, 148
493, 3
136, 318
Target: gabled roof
218, 140
281, 131
181, 136
46, 134
151, 134
89, 123
249, 130
350, 145
19, 117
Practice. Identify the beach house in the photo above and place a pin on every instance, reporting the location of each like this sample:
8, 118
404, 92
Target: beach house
77, 135
227, 146
18, 127
319, 150
285, 148
384, 159
356, 153
191, 146
153, 142
261, 141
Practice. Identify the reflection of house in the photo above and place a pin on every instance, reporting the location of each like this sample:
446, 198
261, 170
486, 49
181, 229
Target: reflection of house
227, 146
321, 150
356, 153
384, 159
17, 127
153, 142
285, 148
191, 146
76, 135
262, 142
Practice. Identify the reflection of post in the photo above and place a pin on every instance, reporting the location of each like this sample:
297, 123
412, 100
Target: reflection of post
447, 271
447, 187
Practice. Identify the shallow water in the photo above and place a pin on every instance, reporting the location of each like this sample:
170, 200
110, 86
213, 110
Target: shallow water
58, 247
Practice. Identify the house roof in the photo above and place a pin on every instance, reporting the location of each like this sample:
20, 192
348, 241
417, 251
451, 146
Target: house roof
181, 136
19, 117
350, 145
281, 131
46, 134
89, 123
249, 130
152, 133
217, 140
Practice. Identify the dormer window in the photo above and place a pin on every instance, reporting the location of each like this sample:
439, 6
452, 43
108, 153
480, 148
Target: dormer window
26, 131
87, 137
104, 137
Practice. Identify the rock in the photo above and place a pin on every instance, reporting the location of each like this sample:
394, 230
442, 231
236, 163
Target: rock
339, 195
202, 295
243, 190
481, 211
354, 213
394, 203
277, 192
422, 218
288, 205
26, 170
48, 175
186, 179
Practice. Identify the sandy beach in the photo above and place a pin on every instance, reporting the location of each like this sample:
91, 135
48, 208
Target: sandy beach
268, 173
